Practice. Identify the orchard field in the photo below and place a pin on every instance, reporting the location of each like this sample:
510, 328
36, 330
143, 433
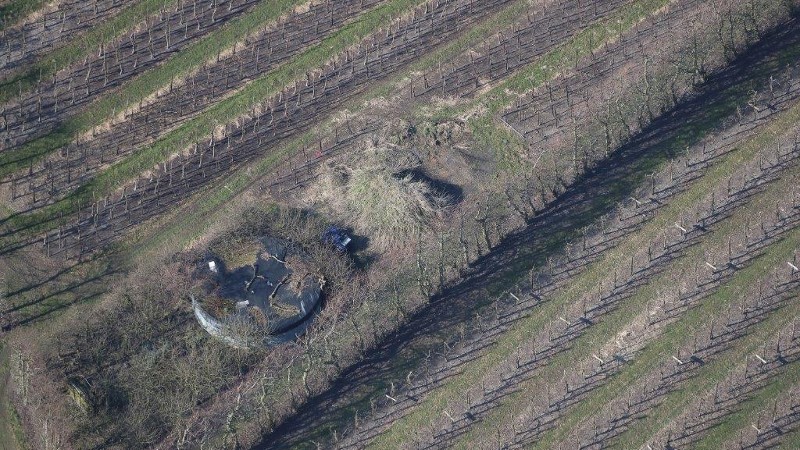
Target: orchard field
575, 223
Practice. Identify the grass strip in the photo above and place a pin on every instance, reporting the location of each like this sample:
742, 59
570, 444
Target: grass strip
671, 340
14, 10
193, 219
273, 82
589, 279
792, 440
496, 137
81, 44
221, 112
243, 100
146, 84
11, 434
655, 351
721, 434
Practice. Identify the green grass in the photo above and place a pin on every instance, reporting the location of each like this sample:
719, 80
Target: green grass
488, 130
14, 10
11, 435
671, 340
564, 56
269, 85
180, 64
80, 45
242, 101
475, 35
748, 410
434, 403
791, 441
221, 112
211, 203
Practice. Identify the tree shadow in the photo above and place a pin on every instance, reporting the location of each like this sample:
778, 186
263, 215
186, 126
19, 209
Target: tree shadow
588, 199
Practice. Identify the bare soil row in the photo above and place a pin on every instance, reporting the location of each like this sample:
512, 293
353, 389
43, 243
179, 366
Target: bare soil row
282, 116
73, 88
597, 240
59, 174
31, 39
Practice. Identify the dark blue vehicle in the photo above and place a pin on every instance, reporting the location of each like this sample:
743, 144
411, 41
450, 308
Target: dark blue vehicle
337, 237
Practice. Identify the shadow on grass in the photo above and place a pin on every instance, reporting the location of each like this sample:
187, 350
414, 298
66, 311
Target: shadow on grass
76, 282
592, 196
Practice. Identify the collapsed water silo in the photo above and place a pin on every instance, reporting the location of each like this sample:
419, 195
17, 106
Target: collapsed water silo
267, 301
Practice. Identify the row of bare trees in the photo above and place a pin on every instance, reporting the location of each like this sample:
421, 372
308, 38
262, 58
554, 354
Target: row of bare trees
595, 242
579, 119
305, 383
294, 108
519, 43
32, 38
537, 33
588, 310
706, 344
79, 161
645, 202
772, 424
39, 112
759, 368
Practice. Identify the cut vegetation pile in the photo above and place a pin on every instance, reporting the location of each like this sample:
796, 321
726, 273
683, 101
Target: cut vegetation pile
383, 197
